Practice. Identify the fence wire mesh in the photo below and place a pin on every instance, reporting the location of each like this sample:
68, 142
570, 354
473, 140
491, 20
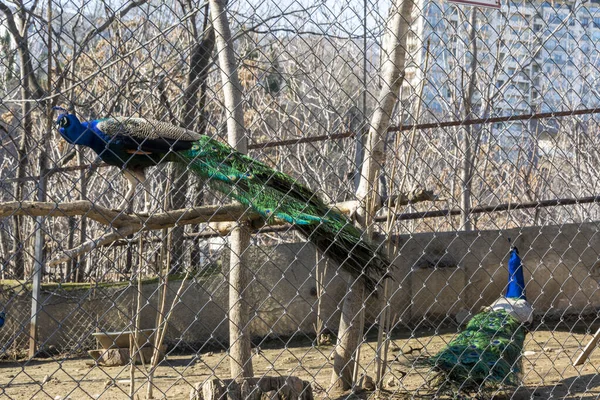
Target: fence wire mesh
480, 125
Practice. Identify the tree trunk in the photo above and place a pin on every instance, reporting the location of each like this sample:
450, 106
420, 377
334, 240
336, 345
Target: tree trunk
22, 152
392, 68
28, 81
81, 261
199, 60
17, 247
466, 175
179, 177
466, 181
394, 54
30, 89
239, 339
39, 243
349, 335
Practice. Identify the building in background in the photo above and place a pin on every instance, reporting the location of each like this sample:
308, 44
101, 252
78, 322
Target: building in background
530, 57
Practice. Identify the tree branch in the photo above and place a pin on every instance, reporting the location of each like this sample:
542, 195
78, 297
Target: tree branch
96, 31
10, 22
21, 40
219, 216
204, 214
119, 219
86, 40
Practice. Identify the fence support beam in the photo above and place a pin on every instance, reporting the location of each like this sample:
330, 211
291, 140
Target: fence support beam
38, 268
38, 255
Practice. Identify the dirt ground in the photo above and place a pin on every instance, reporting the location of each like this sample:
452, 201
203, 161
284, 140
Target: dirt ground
548, 371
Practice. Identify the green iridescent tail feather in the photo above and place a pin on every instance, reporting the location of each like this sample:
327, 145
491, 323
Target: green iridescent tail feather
276, 196
486, 353
134, 144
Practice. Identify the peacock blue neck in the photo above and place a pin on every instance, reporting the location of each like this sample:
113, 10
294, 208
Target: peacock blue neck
95, 138
516, 279
86, 134
77, 132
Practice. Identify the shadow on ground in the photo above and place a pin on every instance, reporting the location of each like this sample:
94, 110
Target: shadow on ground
583, 387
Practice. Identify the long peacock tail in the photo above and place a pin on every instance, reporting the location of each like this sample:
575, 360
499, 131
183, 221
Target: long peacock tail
487, 352
277, 196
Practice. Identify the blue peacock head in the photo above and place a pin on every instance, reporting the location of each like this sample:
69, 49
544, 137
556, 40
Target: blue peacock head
516, 279
69, 126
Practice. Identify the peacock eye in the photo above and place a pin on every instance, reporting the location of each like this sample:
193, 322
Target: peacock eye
64, 122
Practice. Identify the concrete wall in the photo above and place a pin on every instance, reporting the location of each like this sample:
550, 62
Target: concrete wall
438, 275
442, 273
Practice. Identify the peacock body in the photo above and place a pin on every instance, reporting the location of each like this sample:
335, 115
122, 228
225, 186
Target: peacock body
134, 144
2, 318
488, 351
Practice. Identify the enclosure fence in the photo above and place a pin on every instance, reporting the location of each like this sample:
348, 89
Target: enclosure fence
444, 133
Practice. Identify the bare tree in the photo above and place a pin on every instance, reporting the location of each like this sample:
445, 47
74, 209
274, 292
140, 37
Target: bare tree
393, 63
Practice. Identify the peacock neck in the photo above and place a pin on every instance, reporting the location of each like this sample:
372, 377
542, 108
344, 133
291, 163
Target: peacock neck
88, 137
516, 279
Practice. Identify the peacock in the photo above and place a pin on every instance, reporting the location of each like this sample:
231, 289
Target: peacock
134, 144
2, 319
487, 353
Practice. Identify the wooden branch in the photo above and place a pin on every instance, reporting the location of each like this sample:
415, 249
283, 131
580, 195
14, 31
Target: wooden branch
213, 213
10, 22
588, 349
416, 196
101, 214
108, 21
118, 219
91, 244
221, 218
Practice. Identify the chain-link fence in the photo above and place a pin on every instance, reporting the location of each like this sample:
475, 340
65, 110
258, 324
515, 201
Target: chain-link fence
441, 131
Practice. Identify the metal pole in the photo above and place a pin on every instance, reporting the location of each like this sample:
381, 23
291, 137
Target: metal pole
38, 269
38, 250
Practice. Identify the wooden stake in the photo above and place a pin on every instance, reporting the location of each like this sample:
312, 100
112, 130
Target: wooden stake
588, 349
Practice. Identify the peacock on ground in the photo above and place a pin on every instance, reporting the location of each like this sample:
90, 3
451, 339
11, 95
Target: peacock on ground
487, 353
134, 144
